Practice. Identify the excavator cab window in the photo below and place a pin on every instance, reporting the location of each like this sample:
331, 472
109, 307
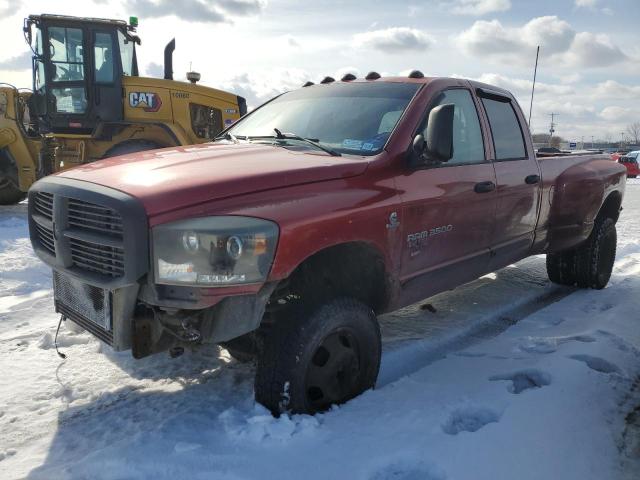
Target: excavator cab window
127, 55
78, 66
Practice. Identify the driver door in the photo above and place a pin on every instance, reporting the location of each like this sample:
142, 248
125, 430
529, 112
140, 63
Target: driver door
449, 208
107, 78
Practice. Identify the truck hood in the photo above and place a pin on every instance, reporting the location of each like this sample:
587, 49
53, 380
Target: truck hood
174, 178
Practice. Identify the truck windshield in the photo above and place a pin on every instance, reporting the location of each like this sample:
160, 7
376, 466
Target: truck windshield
350, 118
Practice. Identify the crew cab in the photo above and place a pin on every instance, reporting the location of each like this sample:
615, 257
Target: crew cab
284, 237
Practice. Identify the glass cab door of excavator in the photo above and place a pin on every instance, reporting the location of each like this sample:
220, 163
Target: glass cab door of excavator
78, 66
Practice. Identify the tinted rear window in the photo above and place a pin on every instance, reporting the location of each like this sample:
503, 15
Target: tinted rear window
507, 135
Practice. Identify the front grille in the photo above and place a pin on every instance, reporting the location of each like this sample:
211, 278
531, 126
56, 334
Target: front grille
88, 231
85, 304
44, 204
94, 218
45, 237
103, 259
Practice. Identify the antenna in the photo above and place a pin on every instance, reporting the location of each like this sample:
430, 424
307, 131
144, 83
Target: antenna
533, 87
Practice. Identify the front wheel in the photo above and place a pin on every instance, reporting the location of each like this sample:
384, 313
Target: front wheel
310, 362
10, 194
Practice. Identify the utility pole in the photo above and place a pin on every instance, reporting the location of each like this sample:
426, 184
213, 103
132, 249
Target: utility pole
591, 141
552, 127
582, 146
621, 139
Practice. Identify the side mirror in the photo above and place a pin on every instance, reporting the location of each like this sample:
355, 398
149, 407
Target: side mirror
439, 141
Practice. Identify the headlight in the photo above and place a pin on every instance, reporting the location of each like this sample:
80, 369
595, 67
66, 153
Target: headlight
214, 251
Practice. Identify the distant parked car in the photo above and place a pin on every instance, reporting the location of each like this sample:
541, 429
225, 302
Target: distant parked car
630, 161
615, 156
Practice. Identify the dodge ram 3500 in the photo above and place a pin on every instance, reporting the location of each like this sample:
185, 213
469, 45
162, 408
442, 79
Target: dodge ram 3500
284, 237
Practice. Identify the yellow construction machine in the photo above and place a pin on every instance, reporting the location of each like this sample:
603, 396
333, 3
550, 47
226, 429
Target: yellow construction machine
88, 102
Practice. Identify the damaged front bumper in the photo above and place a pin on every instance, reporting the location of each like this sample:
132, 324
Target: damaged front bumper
96, 240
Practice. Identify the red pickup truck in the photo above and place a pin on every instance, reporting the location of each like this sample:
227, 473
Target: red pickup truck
286, 236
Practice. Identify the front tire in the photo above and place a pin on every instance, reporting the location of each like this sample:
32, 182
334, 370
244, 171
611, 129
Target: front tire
10, 194
595, 258
310, 362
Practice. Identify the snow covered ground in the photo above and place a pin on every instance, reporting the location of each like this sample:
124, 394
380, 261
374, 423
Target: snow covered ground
508, 377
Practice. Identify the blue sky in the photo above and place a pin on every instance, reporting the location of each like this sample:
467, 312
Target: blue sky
589, 70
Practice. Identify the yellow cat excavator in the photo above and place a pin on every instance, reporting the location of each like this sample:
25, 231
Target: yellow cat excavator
88, 102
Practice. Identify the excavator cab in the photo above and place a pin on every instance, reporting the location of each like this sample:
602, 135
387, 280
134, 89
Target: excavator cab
78, 66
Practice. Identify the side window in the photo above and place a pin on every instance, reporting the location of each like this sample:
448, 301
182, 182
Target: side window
126, 54
206, 122
65, 48
468, 146
506, 131
103, 58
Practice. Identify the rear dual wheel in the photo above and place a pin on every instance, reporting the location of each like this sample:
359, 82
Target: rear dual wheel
590, 265
312, 361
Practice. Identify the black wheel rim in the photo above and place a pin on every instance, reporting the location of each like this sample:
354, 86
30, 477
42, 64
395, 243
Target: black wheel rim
334, 372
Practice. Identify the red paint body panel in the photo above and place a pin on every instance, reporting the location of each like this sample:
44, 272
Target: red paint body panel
319, 201
174, 178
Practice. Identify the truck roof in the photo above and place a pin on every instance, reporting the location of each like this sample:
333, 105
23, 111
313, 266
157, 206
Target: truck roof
488, 89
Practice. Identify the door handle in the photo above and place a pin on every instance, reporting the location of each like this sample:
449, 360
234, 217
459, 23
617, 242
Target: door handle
532, 179
484, 187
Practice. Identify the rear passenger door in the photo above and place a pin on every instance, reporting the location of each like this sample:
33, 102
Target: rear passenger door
448, 208
518, 179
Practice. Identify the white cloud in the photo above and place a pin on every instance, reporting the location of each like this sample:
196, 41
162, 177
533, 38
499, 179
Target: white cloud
217, 11
18, 63
586, 3
553, 34
611, 89
489, 38
594, 50
557, 39
520, 86
259, 86
479, 7
394, 40
613, 113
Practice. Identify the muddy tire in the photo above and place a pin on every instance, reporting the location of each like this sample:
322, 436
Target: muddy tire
309, 362
595, 258
561, 267
10, 194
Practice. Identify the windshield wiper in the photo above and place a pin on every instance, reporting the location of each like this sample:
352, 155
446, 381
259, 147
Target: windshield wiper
228, 136
292, 136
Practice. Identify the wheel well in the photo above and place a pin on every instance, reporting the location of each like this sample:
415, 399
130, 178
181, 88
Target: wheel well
131, 146
611, 206
354, 269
